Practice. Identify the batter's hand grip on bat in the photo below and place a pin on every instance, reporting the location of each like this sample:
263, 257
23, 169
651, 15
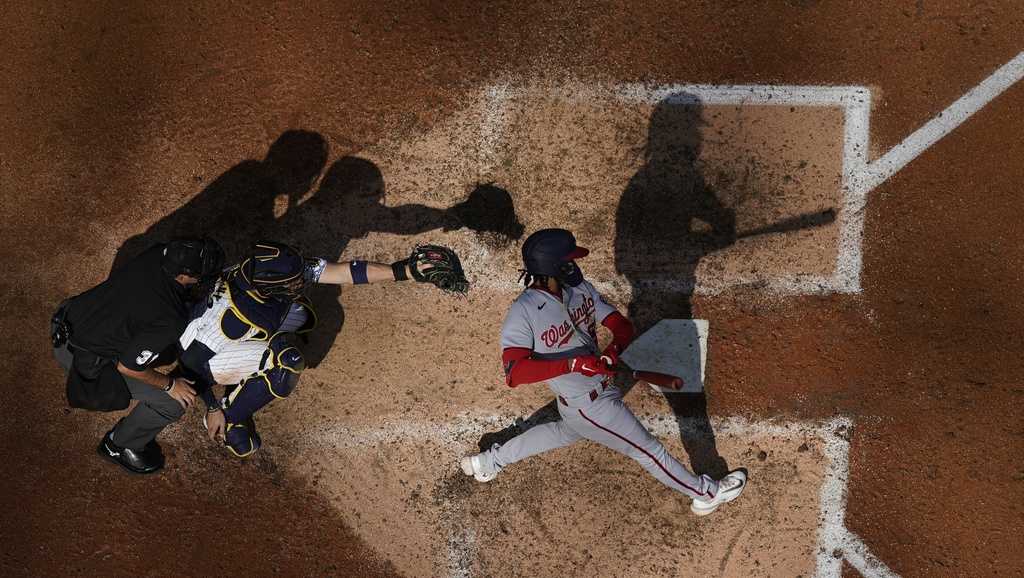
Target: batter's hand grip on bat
660, 379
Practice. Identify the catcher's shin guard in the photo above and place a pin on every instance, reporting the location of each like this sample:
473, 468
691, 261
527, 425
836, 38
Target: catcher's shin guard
242, 439
282, 366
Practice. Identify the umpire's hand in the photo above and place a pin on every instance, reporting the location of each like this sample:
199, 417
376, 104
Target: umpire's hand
181, 391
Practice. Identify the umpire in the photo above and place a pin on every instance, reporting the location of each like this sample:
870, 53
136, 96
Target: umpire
111, 337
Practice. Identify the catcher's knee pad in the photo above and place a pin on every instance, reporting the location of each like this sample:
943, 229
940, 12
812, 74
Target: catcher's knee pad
241, 438
280, 369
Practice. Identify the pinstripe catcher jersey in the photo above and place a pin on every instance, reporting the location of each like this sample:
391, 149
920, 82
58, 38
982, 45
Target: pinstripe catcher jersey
554, 328
224, 344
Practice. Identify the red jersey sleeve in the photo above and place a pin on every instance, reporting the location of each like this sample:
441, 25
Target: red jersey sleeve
622, 333
520, 368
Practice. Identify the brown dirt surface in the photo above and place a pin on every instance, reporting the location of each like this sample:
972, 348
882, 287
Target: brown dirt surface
125, 123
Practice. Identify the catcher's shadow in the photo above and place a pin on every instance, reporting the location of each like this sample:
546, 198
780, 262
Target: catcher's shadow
350, 204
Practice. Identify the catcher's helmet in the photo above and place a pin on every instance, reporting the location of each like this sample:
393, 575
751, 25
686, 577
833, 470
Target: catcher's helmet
200, 258
551, 252
274, 269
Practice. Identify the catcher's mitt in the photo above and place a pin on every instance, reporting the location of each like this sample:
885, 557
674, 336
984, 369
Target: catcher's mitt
440, 266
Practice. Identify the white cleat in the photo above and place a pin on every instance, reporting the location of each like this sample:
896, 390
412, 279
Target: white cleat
473, 466
729, 488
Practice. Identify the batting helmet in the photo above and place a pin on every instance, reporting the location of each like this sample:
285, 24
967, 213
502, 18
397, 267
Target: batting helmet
551, 253
199, 258
274, 269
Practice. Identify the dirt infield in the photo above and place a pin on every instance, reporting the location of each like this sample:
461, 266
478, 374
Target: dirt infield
863, 360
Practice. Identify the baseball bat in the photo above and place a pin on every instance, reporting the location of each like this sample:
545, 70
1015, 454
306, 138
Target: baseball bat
805, 221
660, 379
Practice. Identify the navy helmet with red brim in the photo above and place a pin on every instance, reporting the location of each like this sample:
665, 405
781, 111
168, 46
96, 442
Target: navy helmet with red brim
551, 252
579, 253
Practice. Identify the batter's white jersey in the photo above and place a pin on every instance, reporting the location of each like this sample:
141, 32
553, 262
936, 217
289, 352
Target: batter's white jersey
541, 322
558, 329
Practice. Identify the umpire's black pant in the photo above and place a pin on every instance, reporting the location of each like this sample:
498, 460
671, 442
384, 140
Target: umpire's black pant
155, 410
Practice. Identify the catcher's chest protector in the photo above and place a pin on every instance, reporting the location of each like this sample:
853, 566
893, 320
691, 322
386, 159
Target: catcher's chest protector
229, 324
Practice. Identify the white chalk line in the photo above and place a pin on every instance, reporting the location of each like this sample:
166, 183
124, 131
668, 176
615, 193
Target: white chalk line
833, 536
856, 137
492, 127
846, 275
857, 554
459, 436
859, 176
461, 552
953, 116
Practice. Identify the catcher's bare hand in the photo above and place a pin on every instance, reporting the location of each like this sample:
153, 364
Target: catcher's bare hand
216, 424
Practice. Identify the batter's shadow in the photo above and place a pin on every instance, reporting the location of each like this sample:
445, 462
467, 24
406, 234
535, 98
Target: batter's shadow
668, 219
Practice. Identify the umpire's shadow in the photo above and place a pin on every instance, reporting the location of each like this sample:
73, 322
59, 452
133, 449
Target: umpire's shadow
237, 208
350, 204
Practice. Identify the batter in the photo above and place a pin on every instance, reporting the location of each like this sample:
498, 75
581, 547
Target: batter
550, 334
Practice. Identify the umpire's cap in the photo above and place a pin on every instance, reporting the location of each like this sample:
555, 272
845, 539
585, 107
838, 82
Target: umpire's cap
202, 258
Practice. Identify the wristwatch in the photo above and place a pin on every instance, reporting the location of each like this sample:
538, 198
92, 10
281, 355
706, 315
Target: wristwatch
170, 383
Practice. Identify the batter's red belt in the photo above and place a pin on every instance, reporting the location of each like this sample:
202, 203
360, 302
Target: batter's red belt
592, 395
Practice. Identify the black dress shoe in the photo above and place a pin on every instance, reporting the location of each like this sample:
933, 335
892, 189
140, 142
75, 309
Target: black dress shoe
136, 462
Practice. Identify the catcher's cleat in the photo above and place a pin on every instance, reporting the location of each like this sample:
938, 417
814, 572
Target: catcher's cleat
134, 461
476, 466
729, 488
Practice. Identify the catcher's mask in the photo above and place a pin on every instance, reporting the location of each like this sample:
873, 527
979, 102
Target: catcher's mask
274, 270
552, 253
202, 258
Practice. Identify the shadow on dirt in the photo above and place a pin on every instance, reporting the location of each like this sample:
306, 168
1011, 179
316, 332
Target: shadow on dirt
668, 219
237, 209
350, 204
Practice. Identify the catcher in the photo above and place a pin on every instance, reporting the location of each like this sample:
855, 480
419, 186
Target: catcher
244, 336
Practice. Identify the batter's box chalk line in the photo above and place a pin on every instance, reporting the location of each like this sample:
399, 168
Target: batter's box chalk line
835, 542
860, 175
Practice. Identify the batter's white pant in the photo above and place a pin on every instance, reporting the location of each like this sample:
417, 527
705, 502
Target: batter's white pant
607, 421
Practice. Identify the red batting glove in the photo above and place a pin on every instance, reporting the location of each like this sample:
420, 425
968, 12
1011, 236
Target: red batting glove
610, 355
589, 365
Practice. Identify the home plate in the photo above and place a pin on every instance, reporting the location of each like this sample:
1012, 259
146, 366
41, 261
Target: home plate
674, 346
